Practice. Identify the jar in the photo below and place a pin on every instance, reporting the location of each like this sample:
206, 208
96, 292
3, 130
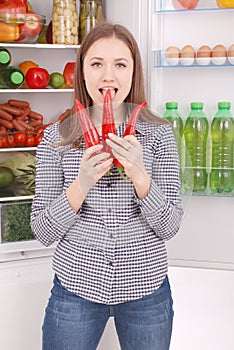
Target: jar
91, 14
65, 22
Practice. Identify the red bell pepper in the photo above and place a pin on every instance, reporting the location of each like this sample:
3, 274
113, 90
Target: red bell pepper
13, 6
37, 78
90, 133
68, 73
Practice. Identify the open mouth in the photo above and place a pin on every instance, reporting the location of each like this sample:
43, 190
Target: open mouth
112, 90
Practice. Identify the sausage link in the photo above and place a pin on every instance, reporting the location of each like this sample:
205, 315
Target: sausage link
35, 115
18, 103
5, 115
6, 123
18, 126
35, 123
12, 110
24, 124
25, 112
3, 129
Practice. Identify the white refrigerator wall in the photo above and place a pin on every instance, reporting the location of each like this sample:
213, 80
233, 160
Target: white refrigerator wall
201, 256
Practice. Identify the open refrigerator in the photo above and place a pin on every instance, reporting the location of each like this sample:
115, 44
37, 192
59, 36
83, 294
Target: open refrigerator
206, 237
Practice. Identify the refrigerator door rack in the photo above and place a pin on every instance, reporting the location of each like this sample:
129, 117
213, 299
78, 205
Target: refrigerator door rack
195, 6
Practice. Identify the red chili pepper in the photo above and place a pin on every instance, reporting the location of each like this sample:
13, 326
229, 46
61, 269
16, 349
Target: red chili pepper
108, 121
131, 126
132, 120
90, 133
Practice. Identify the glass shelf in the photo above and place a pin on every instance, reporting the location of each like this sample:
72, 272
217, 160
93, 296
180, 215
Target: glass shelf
160, 61
48, 90
17, 149
16, 198
40, 46
172, 6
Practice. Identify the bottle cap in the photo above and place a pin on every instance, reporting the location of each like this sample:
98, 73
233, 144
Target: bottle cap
17, 78
196, 105
171, 105
4, 57
224, 105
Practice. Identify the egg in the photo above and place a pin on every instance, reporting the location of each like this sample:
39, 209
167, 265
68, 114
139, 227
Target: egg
203, 55
172, 55
218, 55
231, 54
187, 55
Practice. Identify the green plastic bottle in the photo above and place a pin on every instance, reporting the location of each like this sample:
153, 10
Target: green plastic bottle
11, 78
5, 57
195, 135
222, 137
172, 115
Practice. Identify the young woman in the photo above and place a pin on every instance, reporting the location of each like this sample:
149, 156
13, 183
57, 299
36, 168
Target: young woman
110, 258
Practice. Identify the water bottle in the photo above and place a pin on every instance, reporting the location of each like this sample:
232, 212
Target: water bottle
5, 57
222, 138
171, 114
11, 78
195, 136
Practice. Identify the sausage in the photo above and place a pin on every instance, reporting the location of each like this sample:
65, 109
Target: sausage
6, 123
12, 110
18, 125
35, 115
18, 103
35, 123
5, 115
3, 129
24, 124
25, 112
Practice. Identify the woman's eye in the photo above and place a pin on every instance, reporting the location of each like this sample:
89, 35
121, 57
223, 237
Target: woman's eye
120, 65
96, 64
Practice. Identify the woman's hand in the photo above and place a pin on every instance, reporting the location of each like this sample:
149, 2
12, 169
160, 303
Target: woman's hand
94, 164
128, 152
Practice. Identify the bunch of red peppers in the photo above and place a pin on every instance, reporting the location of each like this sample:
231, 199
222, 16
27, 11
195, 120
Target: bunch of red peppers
90, 133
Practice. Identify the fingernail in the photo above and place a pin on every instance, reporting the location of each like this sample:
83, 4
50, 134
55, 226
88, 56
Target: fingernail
99, 146
110, 134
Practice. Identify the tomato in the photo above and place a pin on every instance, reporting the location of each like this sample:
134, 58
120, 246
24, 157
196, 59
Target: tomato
37, 78
40, 130
30, 141
10, 140
3, 141
20, 138
38, 139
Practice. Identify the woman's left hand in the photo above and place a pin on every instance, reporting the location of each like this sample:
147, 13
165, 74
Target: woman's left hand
128, 152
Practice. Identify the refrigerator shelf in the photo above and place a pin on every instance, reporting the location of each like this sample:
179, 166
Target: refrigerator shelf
160, 61
40, 46
174, 7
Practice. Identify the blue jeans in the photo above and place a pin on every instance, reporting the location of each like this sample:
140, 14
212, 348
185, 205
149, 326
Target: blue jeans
73, 323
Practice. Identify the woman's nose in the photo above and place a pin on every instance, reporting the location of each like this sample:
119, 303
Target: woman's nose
108, 74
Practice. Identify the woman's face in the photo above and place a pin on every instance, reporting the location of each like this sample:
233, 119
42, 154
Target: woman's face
108, 64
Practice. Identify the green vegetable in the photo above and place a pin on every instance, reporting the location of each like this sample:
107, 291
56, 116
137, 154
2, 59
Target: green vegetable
16, 222
6, 177
18, 160
23, 166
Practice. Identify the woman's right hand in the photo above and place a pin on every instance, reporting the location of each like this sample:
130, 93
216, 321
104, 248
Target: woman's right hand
94, 164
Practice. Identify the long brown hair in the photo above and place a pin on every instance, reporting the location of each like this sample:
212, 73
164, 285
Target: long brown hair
70, 128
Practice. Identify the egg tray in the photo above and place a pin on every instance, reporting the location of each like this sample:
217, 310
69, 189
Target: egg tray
204, 56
